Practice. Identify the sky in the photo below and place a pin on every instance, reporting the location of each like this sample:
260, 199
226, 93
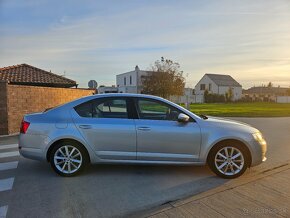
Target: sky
85, 40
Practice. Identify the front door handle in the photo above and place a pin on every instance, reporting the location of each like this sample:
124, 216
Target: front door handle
85, 126
144, 128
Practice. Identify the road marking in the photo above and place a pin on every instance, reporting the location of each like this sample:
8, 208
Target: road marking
3, 211
6, 184
8, 146
8, 165
9, 154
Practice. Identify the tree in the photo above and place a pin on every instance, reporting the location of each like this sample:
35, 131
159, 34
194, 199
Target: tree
288, 92
270, 84
229, 95
164, 79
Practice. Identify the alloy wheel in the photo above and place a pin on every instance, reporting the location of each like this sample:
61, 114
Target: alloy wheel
68, 159
229, 161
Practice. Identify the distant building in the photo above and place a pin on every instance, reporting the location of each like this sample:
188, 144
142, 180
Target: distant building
264, 93
217, 84
107, 89
187, 97
131, 82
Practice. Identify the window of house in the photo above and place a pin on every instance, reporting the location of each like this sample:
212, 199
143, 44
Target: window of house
130, 80
209, 87
124, 81
202, 86
154, 110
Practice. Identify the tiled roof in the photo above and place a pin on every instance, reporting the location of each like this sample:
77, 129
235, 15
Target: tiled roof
223, 80
24, 74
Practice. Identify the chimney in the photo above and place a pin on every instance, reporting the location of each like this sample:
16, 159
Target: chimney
137, 68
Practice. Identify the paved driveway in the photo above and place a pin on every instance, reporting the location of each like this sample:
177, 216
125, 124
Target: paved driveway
32, 189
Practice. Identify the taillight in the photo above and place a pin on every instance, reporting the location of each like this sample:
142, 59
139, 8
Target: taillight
24, 126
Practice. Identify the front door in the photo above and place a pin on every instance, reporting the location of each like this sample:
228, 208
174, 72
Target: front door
160, 137
106, 126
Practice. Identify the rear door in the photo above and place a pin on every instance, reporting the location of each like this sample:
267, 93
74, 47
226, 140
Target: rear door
107, 125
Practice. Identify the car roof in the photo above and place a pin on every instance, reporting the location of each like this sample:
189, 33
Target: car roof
126, 95
120, 95
106, 95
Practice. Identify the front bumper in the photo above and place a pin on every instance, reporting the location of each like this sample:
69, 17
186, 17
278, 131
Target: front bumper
259, 151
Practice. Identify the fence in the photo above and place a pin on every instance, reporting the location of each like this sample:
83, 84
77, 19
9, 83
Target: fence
283, 99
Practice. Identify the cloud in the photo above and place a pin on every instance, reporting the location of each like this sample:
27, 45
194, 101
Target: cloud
246, 39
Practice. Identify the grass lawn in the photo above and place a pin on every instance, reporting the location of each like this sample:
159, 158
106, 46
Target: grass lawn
257, 109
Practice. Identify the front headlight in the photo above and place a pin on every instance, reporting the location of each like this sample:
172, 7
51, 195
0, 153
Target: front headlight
259, 138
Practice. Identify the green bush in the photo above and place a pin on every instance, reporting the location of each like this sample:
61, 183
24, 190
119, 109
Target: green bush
213, 98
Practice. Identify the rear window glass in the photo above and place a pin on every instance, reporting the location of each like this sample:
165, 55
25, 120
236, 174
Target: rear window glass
110, 108
104, 108
85, 110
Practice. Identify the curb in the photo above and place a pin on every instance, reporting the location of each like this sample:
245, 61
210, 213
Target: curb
228, 186
11, 135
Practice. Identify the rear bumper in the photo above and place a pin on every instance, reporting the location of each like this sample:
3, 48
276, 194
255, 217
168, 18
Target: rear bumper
33, 146
32, 153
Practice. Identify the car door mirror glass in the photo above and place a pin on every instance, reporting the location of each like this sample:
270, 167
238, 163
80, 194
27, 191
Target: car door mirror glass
183, 118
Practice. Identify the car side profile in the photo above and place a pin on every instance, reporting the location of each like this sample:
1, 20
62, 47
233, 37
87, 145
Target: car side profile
137, 129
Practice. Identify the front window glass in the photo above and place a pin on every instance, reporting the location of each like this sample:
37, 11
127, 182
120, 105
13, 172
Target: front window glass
154, 110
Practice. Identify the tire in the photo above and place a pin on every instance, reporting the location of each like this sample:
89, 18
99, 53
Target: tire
68, 158
226, 164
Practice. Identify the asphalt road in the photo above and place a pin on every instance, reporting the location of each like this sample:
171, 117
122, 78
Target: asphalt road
32, 189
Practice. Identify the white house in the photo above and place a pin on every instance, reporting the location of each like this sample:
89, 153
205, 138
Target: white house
217, 84
131, 82
188, 97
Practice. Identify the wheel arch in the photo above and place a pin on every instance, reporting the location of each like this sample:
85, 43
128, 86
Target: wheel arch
67, 140
240, 142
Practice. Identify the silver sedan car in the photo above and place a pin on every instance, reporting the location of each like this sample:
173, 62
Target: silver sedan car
137, 129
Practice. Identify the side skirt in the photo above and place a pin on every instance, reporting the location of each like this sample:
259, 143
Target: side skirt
148, 162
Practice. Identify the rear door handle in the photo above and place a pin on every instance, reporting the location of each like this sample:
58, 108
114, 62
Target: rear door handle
85, 126
144, 128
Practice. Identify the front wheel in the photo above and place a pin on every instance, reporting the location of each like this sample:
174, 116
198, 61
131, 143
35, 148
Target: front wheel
68, 159
228, 160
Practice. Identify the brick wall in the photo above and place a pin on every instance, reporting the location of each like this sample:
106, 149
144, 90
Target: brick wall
3, 109
22, 100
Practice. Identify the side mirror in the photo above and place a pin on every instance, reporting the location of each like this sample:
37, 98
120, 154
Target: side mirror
183, 118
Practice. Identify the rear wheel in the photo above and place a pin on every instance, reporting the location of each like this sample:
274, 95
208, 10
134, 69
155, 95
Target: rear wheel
228, 160
68, 159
